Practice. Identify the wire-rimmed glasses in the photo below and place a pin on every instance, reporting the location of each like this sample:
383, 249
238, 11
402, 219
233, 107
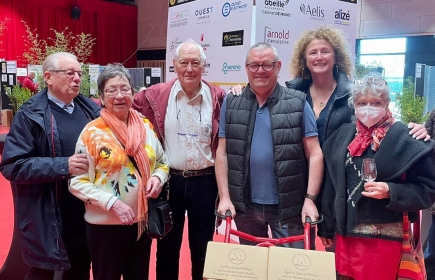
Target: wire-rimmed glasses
69, 73
112, 92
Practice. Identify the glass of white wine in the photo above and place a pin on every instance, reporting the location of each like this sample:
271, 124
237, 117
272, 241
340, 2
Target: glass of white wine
368, 170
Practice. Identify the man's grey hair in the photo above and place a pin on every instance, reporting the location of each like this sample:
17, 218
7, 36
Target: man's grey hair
111, 71
51, 62
193, 43
260, 47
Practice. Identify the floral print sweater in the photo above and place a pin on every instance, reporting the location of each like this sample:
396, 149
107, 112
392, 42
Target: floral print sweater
111, 173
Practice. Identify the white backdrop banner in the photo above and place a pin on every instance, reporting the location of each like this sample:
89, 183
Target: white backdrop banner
222, 27
226, 29
281, 23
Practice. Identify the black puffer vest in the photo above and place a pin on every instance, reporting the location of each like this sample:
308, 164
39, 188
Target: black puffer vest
286, 110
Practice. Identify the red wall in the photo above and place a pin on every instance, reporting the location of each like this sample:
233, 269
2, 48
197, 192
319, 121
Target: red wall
113, 25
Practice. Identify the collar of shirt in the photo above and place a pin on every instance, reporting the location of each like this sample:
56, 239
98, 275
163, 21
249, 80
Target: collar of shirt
67, 107
179, 92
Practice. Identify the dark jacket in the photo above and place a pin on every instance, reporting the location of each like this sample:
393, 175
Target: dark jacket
286, 113
32, 160
398, 153
339, 112
153, 102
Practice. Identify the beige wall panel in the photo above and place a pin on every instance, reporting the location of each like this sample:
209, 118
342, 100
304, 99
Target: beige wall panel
149, 14
413, 8
376, 11
407, 25
428, 24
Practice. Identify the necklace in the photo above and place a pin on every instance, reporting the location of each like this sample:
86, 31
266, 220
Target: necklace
321, 103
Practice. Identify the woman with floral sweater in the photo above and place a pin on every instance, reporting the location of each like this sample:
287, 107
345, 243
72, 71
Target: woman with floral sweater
126, 167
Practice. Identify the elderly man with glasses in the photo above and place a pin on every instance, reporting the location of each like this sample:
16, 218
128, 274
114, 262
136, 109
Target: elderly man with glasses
269, 165
38, 160
185, 114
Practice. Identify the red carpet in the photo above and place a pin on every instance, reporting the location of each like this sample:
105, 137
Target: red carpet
6, 228
6, 219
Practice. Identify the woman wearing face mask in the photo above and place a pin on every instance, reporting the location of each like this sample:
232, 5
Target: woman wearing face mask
366, 217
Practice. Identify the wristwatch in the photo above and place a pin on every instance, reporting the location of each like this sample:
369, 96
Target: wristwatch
312, 197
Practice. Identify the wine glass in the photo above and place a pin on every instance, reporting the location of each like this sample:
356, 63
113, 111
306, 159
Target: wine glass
368, 170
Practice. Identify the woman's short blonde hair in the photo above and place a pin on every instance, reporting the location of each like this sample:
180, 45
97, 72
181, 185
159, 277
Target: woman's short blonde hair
331, 35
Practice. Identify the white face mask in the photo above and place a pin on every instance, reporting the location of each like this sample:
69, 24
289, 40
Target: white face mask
370, 115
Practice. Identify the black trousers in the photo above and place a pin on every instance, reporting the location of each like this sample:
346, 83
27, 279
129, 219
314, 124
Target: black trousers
115, 251
39, 274
197, 196
74, 238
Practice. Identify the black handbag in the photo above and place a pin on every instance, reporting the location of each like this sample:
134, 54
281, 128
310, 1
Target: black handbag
159, 211
159, 215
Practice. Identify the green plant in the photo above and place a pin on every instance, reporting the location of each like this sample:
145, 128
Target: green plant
411, 106
85, 87
18, 95
63, 41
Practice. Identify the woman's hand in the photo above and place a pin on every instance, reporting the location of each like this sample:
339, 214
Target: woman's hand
418, 131
124, 212
236, 90
327, 242
154, 187
377, 190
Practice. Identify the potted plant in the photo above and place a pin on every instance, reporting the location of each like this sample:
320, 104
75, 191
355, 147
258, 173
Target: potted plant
18, 95
411, 106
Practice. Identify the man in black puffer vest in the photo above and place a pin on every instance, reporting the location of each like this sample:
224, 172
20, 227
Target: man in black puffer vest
269, 165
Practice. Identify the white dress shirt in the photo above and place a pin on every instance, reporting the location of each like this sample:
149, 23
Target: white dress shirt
188, 125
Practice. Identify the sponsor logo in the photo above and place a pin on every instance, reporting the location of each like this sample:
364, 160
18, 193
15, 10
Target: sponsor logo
174, 44
206, 69
276, 4
173, 3
342, 17
203, 14
232, 38
231, 68
276, 37
315, 13
178, 19
203, 44
275, 8
237, 6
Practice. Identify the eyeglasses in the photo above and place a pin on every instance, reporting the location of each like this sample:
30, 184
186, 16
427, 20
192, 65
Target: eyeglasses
267, 66
112, 92
69, 73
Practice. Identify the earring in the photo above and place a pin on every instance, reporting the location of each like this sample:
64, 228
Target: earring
336, 71
306, 75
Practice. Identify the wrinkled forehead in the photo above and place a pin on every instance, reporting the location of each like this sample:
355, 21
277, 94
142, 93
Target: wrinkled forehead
261, 55
189, 51
68, 63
